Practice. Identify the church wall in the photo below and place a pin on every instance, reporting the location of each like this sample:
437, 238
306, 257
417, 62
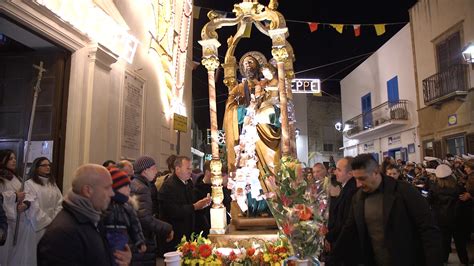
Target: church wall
95, 107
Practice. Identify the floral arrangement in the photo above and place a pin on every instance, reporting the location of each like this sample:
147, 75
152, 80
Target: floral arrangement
299, 204
197, 251
200, 251
272, 254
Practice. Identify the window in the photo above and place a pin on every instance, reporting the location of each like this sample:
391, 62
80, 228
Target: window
328, 147
392, 91
366, 111
448, 52
455, 146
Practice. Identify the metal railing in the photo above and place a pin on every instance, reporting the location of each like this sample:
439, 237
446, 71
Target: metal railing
378, 116
453, 80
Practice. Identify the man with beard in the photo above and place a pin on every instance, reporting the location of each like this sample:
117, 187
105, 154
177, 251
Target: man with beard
242, 98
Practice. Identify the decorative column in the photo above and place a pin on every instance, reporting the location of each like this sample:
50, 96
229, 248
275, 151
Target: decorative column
218, 210
280, 54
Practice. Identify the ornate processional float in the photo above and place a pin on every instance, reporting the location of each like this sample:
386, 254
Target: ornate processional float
259, 130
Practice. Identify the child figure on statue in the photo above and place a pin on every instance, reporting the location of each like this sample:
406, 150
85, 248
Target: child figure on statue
121, 221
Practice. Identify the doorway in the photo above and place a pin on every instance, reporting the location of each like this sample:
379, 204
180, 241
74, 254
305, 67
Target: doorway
20, 49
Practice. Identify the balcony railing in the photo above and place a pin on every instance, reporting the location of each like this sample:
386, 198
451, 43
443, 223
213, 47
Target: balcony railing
385, 113
446, 84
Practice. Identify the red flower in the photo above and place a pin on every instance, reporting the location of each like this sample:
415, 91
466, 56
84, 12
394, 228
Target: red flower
232, 256
250, 251
323, 230
205, 250
304, 212
282, 249
286, 201
270, 248
288, 228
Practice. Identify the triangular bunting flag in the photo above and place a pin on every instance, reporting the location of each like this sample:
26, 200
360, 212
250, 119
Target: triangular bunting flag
338, 27
379, 29
248, 31
357, 30
313, 26
196, 12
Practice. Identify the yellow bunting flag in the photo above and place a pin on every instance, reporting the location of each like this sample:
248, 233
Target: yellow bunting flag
313, 26
379, 29
248, 30
196, 12
338, 27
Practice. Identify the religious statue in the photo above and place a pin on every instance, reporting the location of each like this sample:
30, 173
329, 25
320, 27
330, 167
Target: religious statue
252, 127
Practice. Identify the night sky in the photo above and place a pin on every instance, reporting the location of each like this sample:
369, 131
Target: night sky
312, 49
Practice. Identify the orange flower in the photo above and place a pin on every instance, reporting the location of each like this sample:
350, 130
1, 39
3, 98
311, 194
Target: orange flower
304, 212
250, 251
288, 229
205, 250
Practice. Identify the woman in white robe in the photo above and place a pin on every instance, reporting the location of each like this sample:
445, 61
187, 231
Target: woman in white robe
24, 252
42, 186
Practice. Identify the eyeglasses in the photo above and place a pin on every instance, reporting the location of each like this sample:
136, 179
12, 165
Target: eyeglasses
45, 165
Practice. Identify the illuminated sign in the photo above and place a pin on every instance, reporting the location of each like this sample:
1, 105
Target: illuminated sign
90, 19
306, 86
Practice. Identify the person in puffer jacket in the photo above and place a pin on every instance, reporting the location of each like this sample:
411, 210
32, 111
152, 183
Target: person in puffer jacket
120, 220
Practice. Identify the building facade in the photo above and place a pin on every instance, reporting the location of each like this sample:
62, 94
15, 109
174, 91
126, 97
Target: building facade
322, 113
378, 101
444, 82
121, 75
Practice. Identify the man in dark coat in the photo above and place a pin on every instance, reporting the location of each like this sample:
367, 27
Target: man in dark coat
141, 191
177, 202
390, 219
341, 207
76, 236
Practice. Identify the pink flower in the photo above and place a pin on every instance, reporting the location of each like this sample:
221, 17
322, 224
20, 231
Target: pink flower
286, 201
288, 228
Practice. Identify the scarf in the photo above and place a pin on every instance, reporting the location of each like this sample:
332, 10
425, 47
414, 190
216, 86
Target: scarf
119, 197
83, 206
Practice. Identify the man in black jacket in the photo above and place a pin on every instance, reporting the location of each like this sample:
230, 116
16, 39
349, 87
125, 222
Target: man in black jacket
341, 207
141, 191
76, 236
178, 203
390, 219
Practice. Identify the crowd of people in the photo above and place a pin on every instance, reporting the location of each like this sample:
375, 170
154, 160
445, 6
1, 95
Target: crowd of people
115, 214
400, 213
129, 213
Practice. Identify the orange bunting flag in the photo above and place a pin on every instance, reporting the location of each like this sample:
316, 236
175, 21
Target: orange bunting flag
357, 30
313, 26
379, 29
338, 27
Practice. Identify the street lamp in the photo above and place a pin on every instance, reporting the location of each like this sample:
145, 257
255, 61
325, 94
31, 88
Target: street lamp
468, 53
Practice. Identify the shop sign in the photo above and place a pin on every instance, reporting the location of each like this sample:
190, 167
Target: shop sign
394, 139
368, 146
306, 86
452, 120
90, 19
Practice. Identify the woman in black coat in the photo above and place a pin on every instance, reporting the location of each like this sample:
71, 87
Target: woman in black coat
445, 203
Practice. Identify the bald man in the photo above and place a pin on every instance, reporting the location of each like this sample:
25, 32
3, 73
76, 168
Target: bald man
76, 236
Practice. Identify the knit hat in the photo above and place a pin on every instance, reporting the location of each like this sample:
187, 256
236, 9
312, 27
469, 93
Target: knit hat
119, 178
143, 163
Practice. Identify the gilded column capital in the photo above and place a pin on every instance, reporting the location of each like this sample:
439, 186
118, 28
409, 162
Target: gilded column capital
211, 63
280, 54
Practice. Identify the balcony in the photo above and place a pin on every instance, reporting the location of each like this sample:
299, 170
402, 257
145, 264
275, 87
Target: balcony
383, 117
443, 86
